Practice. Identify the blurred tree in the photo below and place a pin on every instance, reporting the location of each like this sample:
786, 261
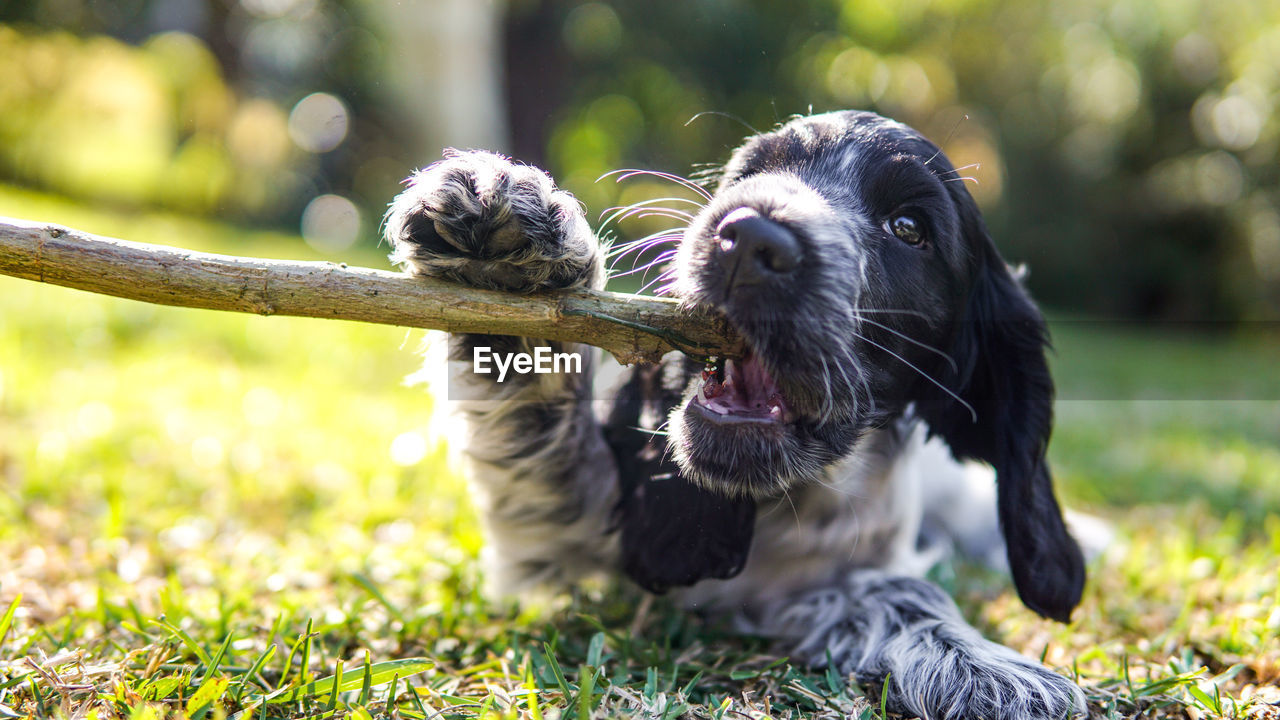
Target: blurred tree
458, 100
1126, 150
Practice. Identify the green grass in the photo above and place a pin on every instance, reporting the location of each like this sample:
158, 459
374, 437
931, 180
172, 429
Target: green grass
213, 515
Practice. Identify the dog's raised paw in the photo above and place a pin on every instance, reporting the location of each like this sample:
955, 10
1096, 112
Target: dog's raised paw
478, 218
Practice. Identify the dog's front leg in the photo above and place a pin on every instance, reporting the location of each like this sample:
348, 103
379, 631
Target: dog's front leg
540, 469
875, 625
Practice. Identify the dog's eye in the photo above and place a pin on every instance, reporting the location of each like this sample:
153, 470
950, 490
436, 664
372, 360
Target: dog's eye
906, 229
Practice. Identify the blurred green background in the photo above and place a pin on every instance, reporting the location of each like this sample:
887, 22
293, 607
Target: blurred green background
1127, 151
246, 475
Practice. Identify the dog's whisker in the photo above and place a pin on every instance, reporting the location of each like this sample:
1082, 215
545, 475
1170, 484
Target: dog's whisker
627, 173
664, 290
848, 493
828, 399
955, 368
644, 243
678, 180
643, 210
618, 213
636, 250
643, 213
613, 264
655, 432
947, 139
962, 167
654, 201
665, 275
671, 232
799, 528
972, 413
657, 237
846, 360
866, 386
730, 116
888, 311
661, 258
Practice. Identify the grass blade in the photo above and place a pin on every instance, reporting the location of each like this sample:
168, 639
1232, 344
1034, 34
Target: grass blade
185, 638
586, 686
254, 669
531, 684
364, 582
391, 693
366, 682
304, 667
333, 692
212, 668
595, 649
555, 669
7, 620
378, 674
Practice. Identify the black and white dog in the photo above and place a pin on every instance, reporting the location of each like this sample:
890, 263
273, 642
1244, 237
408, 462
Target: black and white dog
793, 488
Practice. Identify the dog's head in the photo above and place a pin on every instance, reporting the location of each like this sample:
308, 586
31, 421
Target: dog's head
847, 251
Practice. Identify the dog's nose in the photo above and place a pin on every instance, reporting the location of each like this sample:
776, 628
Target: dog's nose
754, 249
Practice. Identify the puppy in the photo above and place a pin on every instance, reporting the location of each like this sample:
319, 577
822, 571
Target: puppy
787, 488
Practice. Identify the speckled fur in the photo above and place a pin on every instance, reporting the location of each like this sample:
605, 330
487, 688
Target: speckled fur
838, 546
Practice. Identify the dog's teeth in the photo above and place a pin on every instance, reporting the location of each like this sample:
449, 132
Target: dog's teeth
702, 392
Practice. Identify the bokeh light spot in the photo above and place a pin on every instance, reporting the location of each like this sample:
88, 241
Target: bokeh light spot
330, 223
1236, 122
1196, 59
408, 448
94, 419
1219, 178
261, 406
319, 122
1264, 240
276, 8
207, 451
592, 30
247, 457
258, 135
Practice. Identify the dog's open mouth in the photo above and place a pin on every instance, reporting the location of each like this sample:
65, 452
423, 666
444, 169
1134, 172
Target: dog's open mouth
739, 391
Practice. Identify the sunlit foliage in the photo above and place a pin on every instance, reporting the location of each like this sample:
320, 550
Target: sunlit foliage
1129, 147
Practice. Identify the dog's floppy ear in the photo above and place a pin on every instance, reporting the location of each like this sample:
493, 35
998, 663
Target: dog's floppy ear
1002, 374
673, 533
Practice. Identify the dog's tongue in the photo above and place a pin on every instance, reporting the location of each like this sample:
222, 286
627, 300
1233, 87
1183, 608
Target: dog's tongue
742, 387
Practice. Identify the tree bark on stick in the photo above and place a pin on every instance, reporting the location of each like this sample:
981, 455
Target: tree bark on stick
631, 327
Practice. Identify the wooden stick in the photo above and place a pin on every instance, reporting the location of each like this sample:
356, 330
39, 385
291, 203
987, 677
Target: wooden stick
632, 327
